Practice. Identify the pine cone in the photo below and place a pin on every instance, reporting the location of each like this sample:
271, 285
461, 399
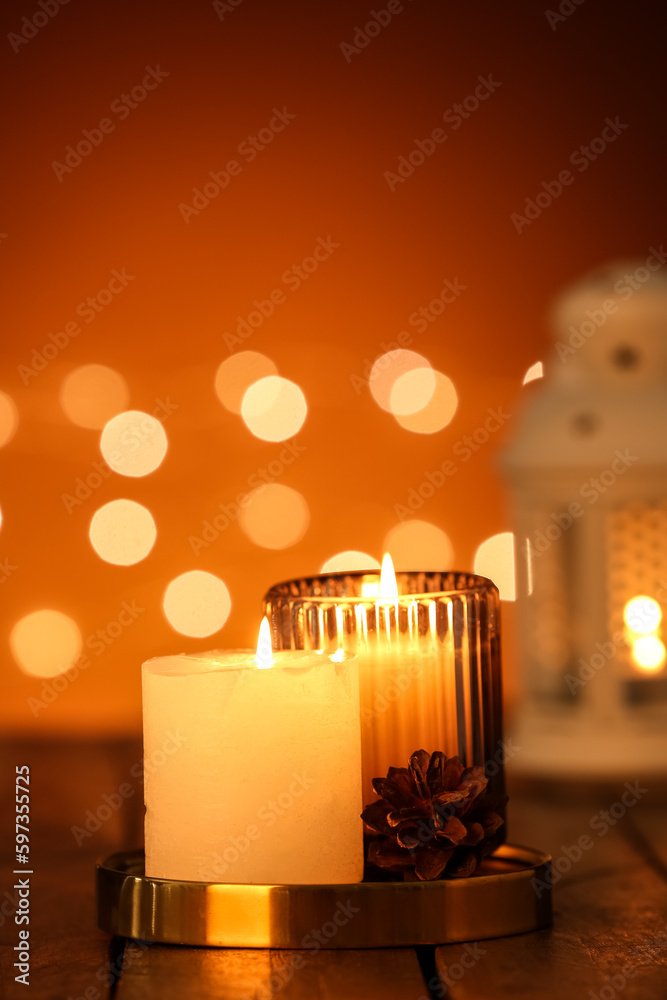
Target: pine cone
435, 816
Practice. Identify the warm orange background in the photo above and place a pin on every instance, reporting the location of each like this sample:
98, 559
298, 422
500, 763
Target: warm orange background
323, 175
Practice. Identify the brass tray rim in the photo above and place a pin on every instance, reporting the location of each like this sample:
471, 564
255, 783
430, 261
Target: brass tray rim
237, 915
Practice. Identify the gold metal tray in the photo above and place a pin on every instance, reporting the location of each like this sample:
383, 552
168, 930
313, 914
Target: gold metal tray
498, 901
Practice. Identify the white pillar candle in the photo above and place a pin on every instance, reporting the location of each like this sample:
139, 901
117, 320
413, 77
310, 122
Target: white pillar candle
265, 784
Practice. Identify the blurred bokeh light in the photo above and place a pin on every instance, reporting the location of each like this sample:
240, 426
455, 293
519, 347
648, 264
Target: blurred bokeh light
133, 443
348, 562
415, 545
534, 372
436, 413
122, 532
92, 394
9, 419
495, 559
236, 374
275, 516
274, 408
389, 370
45, 643
197, 603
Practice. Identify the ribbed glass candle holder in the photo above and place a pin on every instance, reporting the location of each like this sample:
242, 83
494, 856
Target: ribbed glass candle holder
429, 662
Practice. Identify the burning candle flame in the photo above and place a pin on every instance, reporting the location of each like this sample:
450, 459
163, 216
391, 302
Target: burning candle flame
388, 584
264, 651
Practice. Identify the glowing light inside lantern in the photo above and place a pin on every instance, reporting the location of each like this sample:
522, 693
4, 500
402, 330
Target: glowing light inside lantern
649, 653
370, 588
642, 615
264, 656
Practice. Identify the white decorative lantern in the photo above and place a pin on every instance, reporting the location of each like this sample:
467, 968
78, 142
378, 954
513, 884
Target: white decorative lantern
588, 470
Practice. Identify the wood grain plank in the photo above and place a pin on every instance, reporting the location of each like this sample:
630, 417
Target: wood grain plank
68, 780
605, 929
160, 972
558, 828
647, 832
610, 915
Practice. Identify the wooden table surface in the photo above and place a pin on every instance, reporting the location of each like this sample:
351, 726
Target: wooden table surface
609, 936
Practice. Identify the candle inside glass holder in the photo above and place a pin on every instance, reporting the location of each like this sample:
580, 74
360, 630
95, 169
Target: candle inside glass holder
428, 654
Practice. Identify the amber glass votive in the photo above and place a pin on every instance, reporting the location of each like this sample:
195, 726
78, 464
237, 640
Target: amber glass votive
429, 661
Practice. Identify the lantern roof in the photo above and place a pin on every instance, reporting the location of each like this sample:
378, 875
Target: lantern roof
605, 380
